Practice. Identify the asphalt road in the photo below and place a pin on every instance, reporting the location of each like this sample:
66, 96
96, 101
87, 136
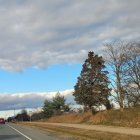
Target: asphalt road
11, 131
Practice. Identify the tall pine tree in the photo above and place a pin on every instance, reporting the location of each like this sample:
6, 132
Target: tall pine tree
92, 88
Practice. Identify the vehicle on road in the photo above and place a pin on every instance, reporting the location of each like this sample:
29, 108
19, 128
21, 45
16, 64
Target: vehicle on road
2, 121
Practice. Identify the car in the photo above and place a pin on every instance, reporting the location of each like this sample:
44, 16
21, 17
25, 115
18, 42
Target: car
2, 121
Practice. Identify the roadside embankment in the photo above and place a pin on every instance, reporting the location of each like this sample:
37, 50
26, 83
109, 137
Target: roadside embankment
128, 118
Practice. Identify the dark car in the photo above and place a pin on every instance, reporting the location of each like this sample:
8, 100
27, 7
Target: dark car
2, 121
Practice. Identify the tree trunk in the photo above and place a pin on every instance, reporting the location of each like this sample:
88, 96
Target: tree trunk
119, 88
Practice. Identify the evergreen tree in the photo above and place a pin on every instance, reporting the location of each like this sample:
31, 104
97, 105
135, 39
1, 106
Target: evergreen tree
59, 104
47, 108
92, 88
55, 106
58, 101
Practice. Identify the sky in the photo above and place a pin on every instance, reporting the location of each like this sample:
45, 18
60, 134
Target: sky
43, 44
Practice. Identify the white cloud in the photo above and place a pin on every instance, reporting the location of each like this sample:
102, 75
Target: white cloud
30, 100
39, 33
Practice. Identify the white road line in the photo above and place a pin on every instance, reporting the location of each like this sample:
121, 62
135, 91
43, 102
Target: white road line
19, 132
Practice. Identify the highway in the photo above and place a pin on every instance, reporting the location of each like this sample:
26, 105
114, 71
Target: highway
11, 131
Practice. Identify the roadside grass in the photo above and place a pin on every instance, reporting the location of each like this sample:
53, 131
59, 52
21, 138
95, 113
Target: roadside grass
130, 117
81, 134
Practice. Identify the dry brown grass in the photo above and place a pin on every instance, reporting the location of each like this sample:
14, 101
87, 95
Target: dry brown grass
129, 117
81, 134
71, 118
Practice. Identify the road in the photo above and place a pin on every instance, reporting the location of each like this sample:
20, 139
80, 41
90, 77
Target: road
11, 131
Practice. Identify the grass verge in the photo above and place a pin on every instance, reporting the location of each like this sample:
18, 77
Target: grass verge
81, 134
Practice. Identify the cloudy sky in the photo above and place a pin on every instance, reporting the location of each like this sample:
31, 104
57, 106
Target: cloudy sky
44, 42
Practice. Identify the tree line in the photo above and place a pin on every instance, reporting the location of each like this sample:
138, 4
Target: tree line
56, 106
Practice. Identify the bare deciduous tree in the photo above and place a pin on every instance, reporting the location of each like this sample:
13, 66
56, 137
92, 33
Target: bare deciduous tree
116, 60
133, 73
124, 64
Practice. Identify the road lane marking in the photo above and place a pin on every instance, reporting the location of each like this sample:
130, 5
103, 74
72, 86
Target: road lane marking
19, 132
